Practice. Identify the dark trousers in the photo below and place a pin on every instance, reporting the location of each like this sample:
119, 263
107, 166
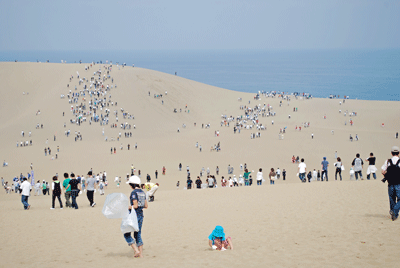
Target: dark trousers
326, 175
54, 199
74, 195
89, 195
338, 171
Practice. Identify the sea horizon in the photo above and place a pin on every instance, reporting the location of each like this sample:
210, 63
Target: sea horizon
368, 74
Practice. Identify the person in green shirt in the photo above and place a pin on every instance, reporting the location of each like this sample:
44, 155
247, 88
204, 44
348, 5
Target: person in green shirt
44, 188
67, 188
246, 177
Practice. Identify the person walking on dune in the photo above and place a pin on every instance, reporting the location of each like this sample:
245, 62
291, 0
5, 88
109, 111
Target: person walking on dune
325, 165
371, 167
67, 193
56, 187
25, 192
138, 202
391, 173
90, 184
357, 164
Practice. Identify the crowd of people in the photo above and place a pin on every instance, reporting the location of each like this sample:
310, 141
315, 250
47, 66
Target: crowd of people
245, 179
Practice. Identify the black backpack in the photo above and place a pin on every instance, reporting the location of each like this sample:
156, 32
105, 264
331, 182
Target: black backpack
57, 188
393, 172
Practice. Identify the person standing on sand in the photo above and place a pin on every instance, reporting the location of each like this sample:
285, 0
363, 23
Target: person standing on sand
25, 192
272, 176
223, 182
325, 165
44, 188
75, 188
199, 182
371, 167
90, 184
391, 173
67, 193
338, 166
278, 173
138, 203
302, 169
189, 183
314, 175
259, 177
56, 187
357, 164
246, 176
37, 188
210, 182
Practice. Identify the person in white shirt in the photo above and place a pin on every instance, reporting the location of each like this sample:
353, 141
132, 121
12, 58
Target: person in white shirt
25, 192
259, 177
235, 182
230, 182
338, 166
314, 175
210, 182
241, 180
302, 170
101, 187
37, 188
278, 173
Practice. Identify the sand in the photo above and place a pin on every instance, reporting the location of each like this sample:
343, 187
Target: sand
330, 224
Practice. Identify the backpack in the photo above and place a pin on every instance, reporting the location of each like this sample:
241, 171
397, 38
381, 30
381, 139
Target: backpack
57, 188
393, 172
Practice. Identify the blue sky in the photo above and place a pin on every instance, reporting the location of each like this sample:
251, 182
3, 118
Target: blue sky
180, 24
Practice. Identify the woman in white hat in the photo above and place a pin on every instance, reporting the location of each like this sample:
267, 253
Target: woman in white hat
138, 203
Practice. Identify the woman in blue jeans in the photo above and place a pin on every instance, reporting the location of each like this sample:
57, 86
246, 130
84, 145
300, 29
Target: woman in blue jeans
138, 203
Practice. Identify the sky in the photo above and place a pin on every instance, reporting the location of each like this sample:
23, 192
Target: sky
206, 24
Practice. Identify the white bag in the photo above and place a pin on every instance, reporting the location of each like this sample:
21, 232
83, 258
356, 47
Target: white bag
130, 223
116, 206
342, 167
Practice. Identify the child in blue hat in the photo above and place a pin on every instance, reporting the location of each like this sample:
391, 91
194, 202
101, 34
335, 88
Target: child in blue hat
217, 240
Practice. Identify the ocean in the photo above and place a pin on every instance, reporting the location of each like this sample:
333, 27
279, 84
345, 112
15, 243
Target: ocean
359, 74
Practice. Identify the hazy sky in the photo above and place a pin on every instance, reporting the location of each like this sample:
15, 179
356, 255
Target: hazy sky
186, 24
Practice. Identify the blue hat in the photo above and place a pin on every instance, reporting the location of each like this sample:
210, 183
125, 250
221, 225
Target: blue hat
218, 232
324, 158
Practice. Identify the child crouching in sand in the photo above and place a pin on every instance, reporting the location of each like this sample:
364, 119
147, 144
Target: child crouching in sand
217, 240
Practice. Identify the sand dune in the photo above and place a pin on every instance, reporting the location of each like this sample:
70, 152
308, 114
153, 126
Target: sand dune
330, 224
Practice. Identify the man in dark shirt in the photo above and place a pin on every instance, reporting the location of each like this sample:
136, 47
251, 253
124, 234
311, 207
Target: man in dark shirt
189, 183
371, 168
198, 182
74, 185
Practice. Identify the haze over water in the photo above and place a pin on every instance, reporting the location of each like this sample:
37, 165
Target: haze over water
361, 74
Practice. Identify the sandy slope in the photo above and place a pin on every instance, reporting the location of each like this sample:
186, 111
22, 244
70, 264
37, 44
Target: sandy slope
331, 224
